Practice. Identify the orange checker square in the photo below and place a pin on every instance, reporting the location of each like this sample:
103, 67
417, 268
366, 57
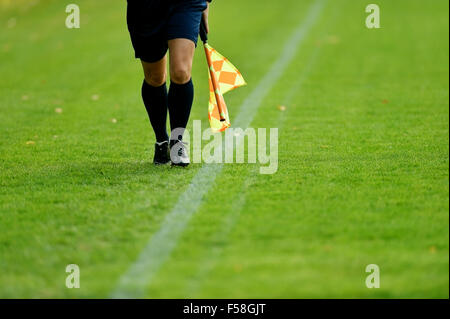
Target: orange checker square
227, 77
217, 65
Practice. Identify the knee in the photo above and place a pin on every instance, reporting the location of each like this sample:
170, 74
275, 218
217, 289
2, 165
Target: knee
180, 75
155, 79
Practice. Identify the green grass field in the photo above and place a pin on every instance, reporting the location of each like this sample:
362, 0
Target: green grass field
363, 173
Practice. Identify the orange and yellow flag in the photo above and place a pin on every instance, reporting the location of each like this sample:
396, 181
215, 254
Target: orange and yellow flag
223, 77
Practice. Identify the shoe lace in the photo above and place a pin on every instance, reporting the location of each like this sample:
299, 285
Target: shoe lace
182, 151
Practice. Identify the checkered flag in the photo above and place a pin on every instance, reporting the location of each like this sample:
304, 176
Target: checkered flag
223, 77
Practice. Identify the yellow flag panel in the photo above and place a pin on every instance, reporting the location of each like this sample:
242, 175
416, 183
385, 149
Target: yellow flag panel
223, 77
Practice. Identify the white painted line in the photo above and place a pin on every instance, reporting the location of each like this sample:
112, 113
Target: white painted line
207, 264
138, 277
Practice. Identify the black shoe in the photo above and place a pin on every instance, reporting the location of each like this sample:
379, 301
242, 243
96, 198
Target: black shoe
178, 153
161, 153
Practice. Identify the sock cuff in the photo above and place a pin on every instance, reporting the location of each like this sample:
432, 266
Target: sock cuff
145, 84
181, 85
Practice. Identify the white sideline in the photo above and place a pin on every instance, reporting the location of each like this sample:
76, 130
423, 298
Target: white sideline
133, 283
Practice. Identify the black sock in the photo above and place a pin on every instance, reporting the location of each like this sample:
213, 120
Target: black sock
181, 97
155, 100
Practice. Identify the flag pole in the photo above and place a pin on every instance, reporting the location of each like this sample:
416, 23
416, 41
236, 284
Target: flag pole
215, 83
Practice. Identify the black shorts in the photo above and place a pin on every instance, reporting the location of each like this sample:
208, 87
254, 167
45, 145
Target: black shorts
153, 22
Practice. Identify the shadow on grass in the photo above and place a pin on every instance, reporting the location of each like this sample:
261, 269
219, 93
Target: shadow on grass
107, 173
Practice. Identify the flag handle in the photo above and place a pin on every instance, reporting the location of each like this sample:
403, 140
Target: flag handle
215, 85
219, 99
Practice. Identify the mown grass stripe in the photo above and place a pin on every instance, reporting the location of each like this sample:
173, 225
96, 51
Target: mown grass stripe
133, 283
210, 260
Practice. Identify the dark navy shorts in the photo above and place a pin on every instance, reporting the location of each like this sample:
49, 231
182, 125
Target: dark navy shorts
152, 23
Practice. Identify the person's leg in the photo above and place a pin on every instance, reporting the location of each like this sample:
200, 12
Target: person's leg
181, 92
147, 24
154, 95
182, 32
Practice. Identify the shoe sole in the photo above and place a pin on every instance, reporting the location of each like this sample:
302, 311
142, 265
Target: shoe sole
179, 164
161, 163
